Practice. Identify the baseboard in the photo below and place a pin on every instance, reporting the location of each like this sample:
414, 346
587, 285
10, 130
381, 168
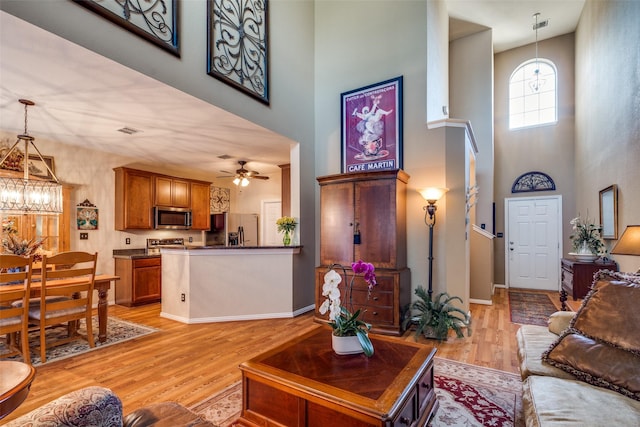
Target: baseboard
217, 319
480, 301
499, 285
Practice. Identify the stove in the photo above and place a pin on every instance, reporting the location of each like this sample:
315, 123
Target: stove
154, 245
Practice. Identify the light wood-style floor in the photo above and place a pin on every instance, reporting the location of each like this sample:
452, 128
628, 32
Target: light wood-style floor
188, 363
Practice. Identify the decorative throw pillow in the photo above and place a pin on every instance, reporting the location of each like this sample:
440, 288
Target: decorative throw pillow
602, 344
559, 321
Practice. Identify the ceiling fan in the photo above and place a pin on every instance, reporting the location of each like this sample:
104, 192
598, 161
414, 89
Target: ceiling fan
242, 175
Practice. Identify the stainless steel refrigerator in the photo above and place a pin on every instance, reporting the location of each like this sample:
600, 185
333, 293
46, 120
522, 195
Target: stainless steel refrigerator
246, 228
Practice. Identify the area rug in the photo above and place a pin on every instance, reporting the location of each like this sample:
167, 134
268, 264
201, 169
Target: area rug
118, 330
469, 395
530, 308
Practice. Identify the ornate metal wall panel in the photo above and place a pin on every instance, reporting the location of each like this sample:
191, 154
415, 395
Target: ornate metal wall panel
533, 181
154, 20
237, 45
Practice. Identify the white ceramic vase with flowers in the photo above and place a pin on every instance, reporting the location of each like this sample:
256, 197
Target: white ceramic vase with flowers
586, 239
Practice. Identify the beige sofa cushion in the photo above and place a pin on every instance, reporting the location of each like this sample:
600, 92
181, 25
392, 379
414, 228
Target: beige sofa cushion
549, 401
532, 342
602, 344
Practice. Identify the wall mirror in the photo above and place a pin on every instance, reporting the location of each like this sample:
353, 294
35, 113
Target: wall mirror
609, 212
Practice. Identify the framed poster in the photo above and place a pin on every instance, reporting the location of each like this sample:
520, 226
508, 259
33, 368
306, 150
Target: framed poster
155, 20
237, 45
609, 212
38, 166
371, 127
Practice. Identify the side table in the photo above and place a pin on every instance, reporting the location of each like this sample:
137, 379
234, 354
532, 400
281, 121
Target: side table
577, 277
15, 381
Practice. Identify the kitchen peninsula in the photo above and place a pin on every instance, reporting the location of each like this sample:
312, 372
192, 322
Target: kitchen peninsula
226, 283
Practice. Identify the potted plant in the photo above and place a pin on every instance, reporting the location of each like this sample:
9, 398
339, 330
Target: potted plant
586, 237
436, 316
344, 323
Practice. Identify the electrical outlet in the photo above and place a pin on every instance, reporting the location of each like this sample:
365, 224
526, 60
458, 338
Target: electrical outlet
127, 241
183, 297
190, 239
84, 236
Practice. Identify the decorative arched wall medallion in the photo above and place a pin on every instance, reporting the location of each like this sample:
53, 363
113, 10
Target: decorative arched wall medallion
533, 181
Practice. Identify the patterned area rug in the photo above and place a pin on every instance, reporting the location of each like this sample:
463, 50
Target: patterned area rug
118, 331
530, 308
469, 395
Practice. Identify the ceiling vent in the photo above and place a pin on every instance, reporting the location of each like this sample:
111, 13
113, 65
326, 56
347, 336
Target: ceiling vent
128, 131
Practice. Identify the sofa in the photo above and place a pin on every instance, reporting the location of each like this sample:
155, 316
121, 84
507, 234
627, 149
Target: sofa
100, 407
583, 369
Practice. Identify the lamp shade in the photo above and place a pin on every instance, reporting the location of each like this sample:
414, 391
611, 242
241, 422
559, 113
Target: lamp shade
629, 243
432, 194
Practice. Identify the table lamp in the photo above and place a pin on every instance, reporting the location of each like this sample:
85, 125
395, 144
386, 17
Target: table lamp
629, 243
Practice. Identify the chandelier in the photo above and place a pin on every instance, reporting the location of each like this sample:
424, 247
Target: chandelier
28, 194
536, 82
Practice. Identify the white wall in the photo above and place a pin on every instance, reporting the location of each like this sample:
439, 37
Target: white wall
548, 149
291, 71
471, 95
607, 147
352, 52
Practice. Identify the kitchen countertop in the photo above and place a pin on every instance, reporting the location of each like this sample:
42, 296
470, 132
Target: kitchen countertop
133, 254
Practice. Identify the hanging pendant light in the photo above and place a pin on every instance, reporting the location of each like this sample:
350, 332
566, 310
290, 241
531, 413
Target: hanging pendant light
536, 81
29, 195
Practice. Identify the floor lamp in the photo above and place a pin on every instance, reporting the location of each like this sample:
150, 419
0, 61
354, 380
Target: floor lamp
431, 195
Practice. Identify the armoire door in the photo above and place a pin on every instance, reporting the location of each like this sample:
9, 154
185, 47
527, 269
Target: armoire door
336, 224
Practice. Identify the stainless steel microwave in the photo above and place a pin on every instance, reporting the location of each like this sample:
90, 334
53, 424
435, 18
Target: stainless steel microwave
172, 218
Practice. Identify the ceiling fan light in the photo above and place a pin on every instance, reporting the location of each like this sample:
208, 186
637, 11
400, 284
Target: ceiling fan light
236, 181
244, 182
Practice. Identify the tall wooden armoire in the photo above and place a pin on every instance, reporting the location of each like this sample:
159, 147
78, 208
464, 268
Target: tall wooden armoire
363, 217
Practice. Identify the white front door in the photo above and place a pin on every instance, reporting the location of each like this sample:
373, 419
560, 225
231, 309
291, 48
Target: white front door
532, 240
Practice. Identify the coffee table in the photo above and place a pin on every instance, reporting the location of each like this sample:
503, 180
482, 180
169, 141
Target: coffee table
304, 383
15, 381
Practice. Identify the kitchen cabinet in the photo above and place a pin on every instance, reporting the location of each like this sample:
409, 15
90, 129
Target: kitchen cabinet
140, 281
200, 194
134, 199
363, 217
173, 192
137, 192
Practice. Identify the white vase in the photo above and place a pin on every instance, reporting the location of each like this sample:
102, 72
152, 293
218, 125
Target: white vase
346, 345
584, 249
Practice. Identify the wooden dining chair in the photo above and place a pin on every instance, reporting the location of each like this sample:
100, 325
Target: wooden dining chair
66, 297
15, 285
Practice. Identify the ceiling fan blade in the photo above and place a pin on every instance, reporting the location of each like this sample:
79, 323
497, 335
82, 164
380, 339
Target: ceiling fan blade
259, 177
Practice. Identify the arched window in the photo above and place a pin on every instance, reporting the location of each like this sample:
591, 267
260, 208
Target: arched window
532, 94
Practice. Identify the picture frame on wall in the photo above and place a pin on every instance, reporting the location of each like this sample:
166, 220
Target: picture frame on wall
87, 216
237, 45
609, 212
371, 127
156, 21
38, 166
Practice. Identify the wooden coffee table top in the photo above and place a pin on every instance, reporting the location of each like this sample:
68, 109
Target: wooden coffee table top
308, 362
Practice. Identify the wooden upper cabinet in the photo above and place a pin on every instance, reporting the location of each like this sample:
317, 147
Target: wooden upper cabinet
200, 195
137, 192
134, 199
371, 204
173, 192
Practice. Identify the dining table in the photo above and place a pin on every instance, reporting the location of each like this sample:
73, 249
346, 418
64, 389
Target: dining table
102, 283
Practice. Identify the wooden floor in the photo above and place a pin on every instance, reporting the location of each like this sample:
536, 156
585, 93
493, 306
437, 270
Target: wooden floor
188, 363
